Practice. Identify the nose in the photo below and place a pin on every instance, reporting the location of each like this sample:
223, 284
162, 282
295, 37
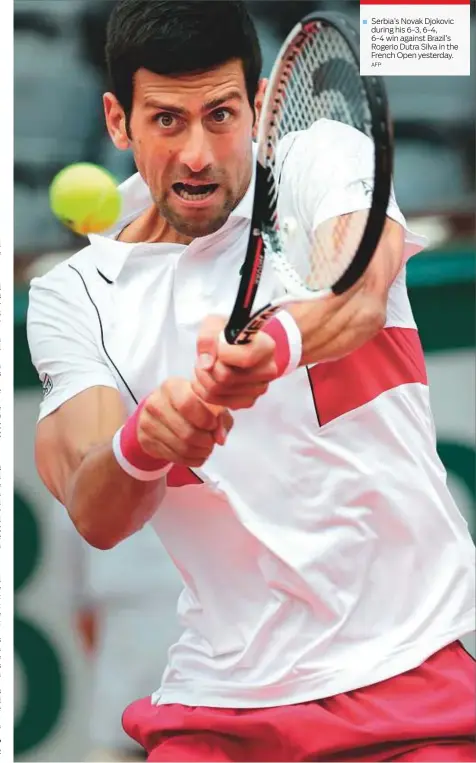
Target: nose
196, 152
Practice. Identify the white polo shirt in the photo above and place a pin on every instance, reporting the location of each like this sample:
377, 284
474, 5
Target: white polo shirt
320, 549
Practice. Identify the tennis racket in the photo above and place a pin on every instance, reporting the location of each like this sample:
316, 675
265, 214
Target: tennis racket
316, 75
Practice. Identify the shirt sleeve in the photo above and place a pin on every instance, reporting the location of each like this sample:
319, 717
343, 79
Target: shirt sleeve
64, 341
330, 170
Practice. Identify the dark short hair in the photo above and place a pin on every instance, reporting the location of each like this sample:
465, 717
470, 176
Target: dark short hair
174, 37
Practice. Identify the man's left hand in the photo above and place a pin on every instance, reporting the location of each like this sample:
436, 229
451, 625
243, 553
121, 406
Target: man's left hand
232, 376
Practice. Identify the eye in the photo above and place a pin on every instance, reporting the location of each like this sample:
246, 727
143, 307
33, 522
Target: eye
221, 115
166, 120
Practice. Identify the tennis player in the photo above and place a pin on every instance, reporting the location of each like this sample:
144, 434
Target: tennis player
328, 575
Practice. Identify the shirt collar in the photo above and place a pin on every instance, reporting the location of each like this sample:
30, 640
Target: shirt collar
110, 255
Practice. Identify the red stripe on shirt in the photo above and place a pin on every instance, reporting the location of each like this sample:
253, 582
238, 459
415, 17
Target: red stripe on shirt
392, 358
179, 476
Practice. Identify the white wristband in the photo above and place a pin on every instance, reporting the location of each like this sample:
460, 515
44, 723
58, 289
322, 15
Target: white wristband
294, 337
143, 475
288, 338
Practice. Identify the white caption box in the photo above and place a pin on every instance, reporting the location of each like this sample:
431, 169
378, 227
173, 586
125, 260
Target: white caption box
415, 39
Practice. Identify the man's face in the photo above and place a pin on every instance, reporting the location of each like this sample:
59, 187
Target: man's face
191, 140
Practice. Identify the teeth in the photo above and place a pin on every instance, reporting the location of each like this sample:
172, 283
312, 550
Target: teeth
193, 196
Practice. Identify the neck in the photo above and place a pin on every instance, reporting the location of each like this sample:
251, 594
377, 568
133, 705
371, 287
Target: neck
151, 228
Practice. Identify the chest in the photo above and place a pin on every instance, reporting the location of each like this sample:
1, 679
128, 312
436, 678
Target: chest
150, 317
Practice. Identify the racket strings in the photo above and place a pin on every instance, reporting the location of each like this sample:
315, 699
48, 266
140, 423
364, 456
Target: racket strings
320, 79
333, 247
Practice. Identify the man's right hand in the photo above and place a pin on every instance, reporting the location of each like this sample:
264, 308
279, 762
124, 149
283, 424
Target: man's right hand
178, 426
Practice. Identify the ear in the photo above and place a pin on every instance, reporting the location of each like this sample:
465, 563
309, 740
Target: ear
259, 98
115, 121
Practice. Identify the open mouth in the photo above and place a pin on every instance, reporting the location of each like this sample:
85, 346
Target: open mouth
194, 192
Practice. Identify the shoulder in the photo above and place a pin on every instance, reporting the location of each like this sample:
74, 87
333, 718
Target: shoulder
61, 291
64, 273
326, 141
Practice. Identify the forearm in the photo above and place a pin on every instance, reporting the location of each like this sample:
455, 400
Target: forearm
106, 505
109, 470
332, 331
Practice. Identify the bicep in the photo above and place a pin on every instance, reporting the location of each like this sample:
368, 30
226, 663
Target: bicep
64, 437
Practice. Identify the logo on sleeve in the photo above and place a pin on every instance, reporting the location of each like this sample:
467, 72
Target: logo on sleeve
46, 384
368, 187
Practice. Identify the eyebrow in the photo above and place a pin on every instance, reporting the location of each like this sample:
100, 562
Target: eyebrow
209, 106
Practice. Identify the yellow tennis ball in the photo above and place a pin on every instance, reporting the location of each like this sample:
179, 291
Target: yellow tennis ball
85, 198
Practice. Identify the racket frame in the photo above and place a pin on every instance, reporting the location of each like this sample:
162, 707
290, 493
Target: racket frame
243, 323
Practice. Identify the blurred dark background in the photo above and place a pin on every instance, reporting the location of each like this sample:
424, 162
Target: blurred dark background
84, 619
60, 76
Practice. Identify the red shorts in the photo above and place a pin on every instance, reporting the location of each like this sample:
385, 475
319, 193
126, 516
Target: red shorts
425, 714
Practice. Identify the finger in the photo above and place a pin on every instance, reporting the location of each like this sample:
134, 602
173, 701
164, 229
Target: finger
208, 338
185, 441
239, 403
217, 395
160, 444
189, 405
167, 431
152, 433
194, 409
261, 348
235, 402
220, 435
224, 420
232, 378
227, 420
225, 424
